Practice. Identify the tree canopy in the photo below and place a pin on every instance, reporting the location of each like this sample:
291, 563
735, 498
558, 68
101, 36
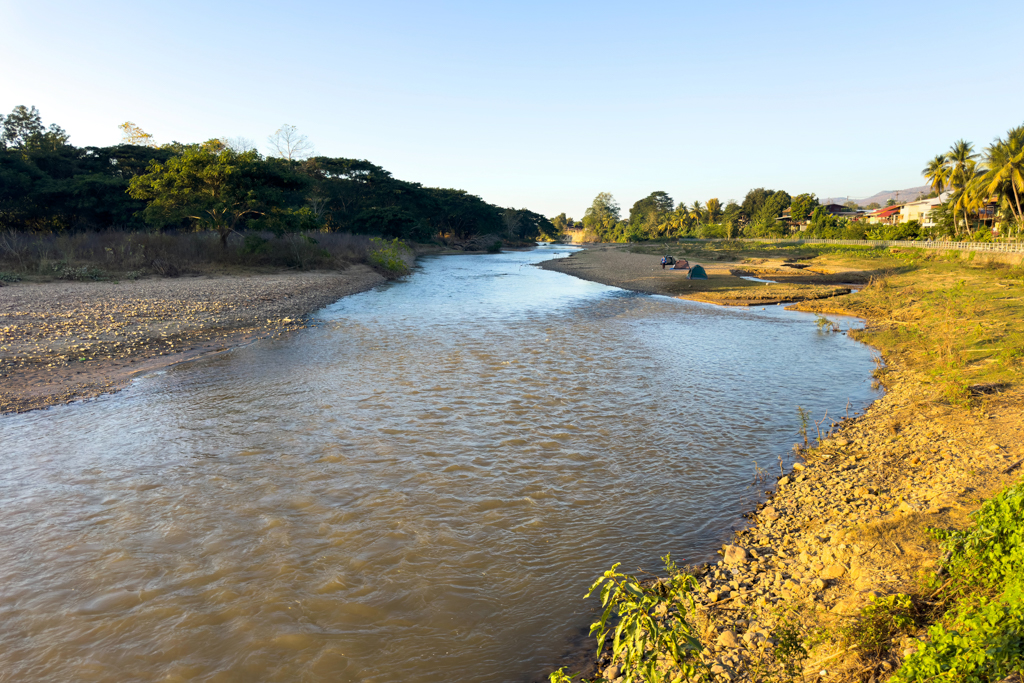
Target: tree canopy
48, 184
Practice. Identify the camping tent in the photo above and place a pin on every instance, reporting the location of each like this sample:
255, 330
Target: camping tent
697, 273
681, 264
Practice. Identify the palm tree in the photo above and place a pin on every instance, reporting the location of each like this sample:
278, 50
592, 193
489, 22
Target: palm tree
713, 210
697, 211
1004, 170
963, 170
937, 173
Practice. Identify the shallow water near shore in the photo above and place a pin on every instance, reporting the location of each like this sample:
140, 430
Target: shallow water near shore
419, 489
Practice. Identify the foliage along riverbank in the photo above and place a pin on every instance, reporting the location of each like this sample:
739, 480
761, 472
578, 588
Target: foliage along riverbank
865, 563
48, 185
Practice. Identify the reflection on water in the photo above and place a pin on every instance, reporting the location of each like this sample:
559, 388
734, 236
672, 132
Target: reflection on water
420, 489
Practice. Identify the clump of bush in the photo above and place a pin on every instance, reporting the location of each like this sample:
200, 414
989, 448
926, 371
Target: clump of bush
388, 256
980, 638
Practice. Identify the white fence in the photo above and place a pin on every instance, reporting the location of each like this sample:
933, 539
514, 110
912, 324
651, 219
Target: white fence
1003, 247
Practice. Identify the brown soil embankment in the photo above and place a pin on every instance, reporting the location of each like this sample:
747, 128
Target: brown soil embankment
65, 341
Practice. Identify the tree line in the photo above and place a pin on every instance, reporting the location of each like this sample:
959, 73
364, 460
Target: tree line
976, 184
657, 216
225, 185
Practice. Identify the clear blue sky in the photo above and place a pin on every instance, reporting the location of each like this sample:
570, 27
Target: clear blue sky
541, 104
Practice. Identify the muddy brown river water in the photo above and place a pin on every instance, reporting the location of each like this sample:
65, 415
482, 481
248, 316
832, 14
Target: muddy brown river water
419, 489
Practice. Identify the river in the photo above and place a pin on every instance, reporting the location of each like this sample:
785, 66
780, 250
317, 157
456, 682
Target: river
418, 489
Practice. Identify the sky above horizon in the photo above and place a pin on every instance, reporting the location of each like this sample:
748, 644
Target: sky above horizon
541, 104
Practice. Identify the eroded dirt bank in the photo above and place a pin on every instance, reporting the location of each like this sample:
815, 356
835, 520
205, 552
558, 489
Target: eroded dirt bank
65, 341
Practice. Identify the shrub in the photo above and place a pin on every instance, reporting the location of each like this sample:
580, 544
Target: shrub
388, 255
981, 637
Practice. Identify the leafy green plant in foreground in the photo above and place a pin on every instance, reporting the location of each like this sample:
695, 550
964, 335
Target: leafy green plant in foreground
981, 637
651, 636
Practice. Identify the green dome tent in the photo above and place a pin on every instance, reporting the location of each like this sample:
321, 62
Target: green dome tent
697, 273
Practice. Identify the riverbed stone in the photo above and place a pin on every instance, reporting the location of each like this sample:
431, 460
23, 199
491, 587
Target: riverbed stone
832, 572
727, 639
734, 554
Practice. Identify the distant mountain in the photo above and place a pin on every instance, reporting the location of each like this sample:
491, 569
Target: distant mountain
907, 195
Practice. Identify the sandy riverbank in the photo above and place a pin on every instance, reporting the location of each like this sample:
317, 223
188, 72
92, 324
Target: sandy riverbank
66, 341
849, 522
622, 266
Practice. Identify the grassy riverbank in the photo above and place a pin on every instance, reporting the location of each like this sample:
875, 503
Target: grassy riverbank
854, 569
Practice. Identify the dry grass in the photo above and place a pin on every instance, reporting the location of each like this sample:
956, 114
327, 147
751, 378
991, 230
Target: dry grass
125, 255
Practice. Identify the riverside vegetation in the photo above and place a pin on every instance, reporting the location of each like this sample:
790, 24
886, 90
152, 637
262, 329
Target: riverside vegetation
893, 548
139, 208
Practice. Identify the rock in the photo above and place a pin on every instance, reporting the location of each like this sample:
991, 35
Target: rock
842, 442
906, 507
799, 466
833, 571
863, 583
727, 639
735, 554
783, 481
770, 513
612, 672
818, 585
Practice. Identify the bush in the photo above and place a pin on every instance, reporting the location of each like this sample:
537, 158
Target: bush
981, 637
494, 248
653, 637
115, 252
388, 255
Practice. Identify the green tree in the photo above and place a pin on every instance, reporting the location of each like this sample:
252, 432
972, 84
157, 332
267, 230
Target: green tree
765, 223
1003, 174
697, 212
651, 209
713, 210
937, 173
215, 189
963, 169
802, 206
753, 202
602, 216
20, 126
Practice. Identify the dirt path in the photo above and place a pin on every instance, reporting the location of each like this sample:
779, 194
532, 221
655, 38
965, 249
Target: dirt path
65, 341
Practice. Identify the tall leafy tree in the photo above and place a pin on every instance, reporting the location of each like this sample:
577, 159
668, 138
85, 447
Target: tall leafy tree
713, 210
963, 169
802, 206
937, 173
20, 126
602, 215
651, 211
753, 201
217, 189
1003, 171
697, 212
